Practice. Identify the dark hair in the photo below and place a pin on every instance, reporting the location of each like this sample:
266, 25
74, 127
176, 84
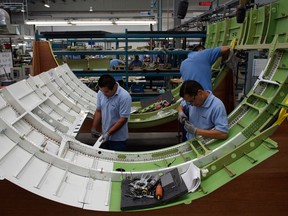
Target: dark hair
198, 47
190, 87
106, 80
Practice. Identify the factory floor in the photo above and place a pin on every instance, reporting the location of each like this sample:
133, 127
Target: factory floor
141, 141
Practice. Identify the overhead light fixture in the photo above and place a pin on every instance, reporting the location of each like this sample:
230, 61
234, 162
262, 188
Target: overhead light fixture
67, 22
46, 23
88, 22
91, 9
29, 37
135, 22
47, 4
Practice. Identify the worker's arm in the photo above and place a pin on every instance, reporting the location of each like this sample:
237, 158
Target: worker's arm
213, 134
180, 108
117, 125
225, 51
130, 65
96, 119
182, 117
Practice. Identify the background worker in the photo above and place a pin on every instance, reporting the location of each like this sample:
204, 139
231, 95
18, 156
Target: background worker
113, 64
112, 110
207, 114
135, 63
198, 64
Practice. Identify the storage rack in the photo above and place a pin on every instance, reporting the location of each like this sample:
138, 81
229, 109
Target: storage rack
127, 37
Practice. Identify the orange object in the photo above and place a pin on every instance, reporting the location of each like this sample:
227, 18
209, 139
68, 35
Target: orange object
158, 106
159, 192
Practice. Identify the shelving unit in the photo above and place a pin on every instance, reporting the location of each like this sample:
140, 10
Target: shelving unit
177, 55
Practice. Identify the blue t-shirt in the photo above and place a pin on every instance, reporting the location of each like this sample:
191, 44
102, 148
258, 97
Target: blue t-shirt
136, 63
212, 114
112, 109
198, 66
115, 62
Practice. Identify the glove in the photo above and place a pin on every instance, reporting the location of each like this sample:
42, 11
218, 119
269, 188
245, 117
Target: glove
189, 127
105, 137
232, 60
182, 117
95, 133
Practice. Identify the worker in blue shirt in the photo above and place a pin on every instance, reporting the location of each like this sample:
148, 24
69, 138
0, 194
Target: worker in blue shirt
198, 67
135, 63
113, 64
207, 114
113, 110
198, 64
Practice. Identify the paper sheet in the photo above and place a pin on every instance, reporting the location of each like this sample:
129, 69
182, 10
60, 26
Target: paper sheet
192, 177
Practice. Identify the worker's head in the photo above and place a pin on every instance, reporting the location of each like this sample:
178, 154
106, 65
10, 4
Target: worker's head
198, 47
193, 93
136, 57
107, 85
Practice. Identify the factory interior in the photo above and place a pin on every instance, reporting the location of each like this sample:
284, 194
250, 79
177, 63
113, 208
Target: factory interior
53, 55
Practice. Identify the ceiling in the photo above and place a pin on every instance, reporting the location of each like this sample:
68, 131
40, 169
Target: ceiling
72, 11
66, 9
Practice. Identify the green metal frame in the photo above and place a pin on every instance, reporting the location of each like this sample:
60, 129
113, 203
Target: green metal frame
250, 124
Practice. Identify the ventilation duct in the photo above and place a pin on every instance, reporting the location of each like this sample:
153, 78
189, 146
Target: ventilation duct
4, 17
240, 14
5, 27
182, 9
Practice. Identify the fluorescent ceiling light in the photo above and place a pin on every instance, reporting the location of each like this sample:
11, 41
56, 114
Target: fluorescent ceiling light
46, 23
47, 4
88, 22
135, 22
29, 37
22, 44
67, 22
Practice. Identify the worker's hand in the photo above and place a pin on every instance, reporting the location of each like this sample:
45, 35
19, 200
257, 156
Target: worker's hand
182, 117
232, 60
105, 137
95, 133
189, 127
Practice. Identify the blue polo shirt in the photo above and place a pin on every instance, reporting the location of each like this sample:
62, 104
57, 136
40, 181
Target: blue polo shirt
136, 63
198, 66
114, 108
212, 114
115, 62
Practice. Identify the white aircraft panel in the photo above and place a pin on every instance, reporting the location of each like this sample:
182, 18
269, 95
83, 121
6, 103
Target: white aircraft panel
3, 103
14, 89
22, 126
52, 180
71, 188
5, 145
16, 162
8, 114
98, 195
30, 101
82, 160
37, 137
33, 172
